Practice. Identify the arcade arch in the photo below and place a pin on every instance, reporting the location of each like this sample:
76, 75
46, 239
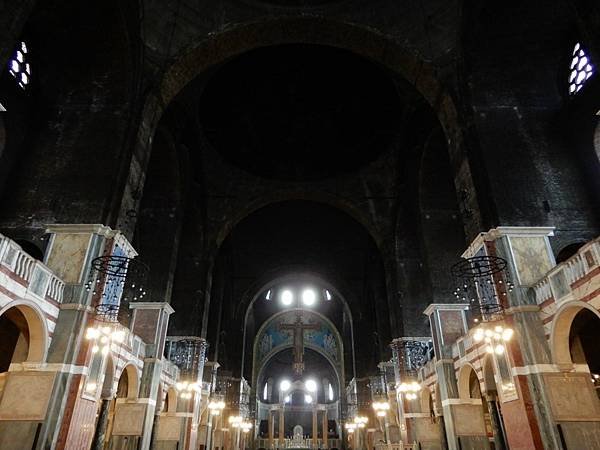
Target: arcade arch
23, 335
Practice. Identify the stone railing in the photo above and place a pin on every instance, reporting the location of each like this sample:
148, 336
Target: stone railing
303, 443
562, 280
36, 276
170, 369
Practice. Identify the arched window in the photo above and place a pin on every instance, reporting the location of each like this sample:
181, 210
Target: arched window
330, 392
266, 391
581, 69
19, 66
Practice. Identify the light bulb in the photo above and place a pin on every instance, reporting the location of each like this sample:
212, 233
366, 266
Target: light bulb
309, 297
311, 385
287, 297
499, 349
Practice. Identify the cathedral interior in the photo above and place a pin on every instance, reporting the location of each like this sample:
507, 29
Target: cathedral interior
299, 224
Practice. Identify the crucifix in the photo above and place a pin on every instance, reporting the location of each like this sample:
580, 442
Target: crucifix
298, 328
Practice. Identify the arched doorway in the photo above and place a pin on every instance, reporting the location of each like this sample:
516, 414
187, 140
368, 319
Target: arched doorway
23, 336
574, 336
127, 388
584, 335
469, 388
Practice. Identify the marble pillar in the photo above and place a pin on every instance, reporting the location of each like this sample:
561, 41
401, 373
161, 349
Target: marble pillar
281, 428
271, 423
70, 251
499, 442
150, 321
448, 323
325, 426
101, 424
315, 430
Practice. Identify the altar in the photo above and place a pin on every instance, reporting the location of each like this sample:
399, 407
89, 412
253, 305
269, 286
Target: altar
298, 439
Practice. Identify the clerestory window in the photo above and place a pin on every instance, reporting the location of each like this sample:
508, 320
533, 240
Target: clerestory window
19, 66
581, 69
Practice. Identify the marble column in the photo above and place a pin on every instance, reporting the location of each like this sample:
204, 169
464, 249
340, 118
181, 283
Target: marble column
281, 428
325, 443
100, 433
271, 423
315, 430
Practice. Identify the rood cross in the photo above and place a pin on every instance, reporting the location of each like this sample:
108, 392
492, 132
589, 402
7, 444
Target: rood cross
298, 328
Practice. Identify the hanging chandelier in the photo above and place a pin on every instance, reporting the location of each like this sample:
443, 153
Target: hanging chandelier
484, 283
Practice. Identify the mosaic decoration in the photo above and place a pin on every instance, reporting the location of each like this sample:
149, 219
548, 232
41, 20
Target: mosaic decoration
273, 336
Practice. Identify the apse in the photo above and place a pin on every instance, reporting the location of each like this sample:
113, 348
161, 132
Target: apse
298, 246
279, 369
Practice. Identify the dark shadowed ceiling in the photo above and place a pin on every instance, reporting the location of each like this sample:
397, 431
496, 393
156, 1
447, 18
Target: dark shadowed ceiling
300, 112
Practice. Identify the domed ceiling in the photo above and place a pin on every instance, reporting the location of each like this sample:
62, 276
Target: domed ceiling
300, 112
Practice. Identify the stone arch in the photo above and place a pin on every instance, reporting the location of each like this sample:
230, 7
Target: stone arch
338, 367
338, 374
169, 404
337, 370
270, 281
129, 378
235, 40
561, 329
465, 379
426, 401
334, 201
36, 328
568, 251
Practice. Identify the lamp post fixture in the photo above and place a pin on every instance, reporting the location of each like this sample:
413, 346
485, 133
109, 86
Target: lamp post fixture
358, 423
381, 409
409, 390
187, 390
103, 336
495, 337
239, 424
215, 407
246, 426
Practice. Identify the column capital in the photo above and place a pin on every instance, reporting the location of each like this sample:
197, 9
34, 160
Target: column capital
152, 305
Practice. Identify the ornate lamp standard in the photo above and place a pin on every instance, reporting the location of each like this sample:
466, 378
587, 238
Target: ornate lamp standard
356, 425
246, 426
381, 409
215, 407
239, 424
